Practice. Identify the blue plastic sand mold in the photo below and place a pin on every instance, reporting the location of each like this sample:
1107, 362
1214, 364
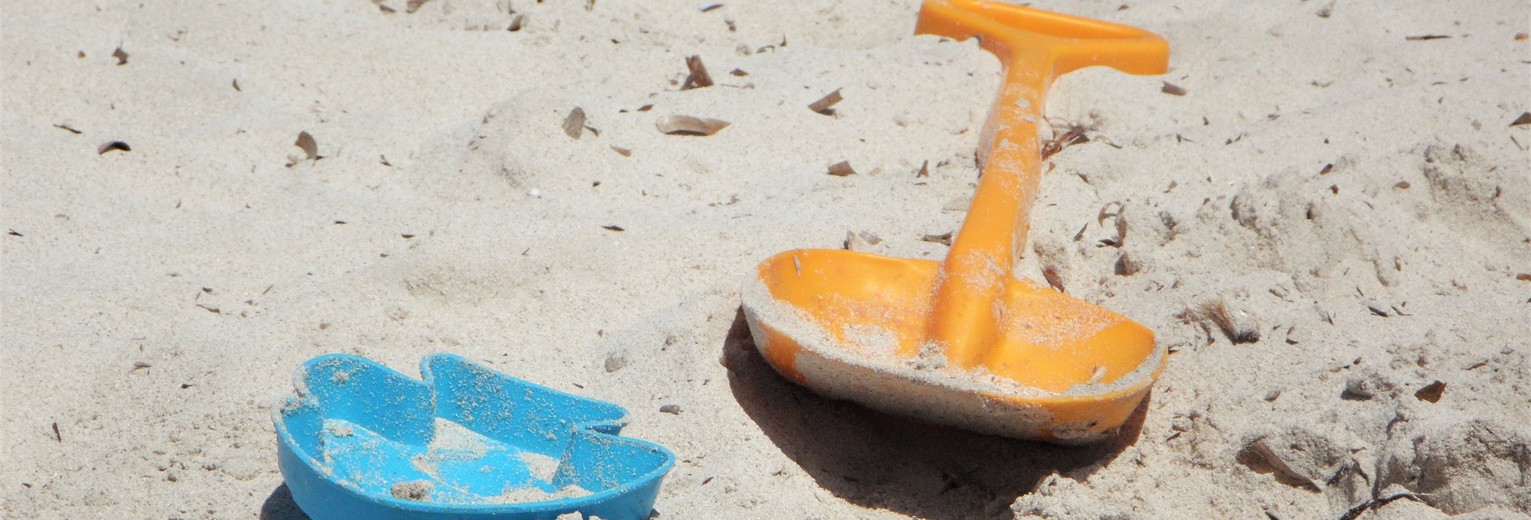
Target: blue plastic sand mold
363, 441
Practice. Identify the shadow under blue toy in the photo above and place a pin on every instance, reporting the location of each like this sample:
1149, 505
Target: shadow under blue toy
363, 441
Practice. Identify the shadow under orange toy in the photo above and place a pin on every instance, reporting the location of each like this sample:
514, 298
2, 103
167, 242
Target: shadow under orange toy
963, 341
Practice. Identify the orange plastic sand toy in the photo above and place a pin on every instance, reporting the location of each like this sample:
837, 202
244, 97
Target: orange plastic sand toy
963, 341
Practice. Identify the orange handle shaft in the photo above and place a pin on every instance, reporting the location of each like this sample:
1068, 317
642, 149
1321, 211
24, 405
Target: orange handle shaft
1034, 47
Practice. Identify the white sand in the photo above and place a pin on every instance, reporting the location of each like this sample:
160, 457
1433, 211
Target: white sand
200, 257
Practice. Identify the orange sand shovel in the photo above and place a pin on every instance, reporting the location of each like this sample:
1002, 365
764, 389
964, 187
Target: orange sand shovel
964, 342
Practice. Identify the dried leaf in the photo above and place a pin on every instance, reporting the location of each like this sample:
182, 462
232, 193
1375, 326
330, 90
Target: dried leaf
688, 125
824, 104
1240, 328
1106, 212
1172, 89
121, 55
614, 227
1054, 280
738, 73
516, 20
860, 240
306, 143
414, 5
841, 169
1258, 455
1075, 134
574, 124
924, 170
1524, 119
1120, 223
1125, 266
625, 152
943, 239
698, 77
1431, 392
114, 145
1524, 277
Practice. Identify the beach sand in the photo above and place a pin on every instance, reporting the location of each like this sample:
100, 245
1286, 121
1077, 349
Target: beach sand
1343, 176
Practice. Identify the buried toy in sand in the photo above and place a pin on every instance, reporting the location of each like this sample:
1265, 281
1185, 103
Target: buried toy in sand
964, 342
363, 441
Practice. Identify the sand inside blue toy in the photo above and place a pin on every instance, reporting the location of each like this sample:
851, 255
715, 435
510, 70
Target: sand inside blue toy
459, 466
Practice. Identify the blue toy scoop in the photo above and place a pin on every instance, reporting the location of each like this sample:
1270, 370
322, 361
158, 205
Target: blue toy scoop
363, 441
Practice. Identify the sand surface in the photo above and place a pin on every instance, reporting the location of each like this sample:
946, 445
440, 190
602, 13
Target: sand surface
1353, 193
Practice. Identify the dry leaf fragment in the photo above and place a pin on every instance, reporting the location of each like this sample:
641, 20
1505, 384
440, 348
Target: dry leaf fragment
1326, 169
738, 73
516, 21
689, 125
1524, 119
121, 55
1054, 280
236, 86
414, 5
1106, 212
574, 124
1238, 327
1524, 277
307, 144
114, 145
1075, 134
625, 152
924, 170
698, 77
1172, 89
1431, 392
1121, 223
1125, 266
1259, 455
860, 240
841, 169
1402, 185
614, 227
943, 239
824, 104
